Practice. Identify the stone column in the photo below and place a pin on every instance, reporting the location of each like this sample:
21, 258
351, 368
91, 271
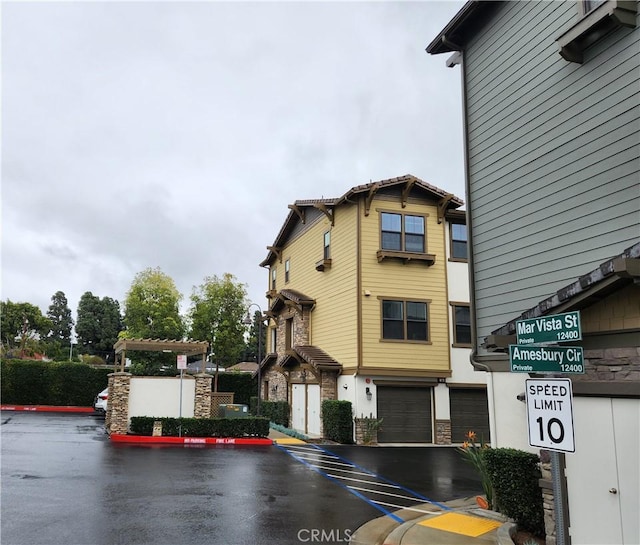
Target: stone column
443, 432
546, 486
202, 403
117, 418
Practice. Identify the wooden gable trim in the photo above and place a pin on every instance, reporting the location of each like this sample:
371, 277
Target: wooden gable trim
299, 212
323, 208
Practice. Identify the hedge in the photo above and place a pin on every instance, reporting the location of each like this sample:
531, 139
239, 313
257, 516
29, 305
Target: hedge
202, 427
276, 411
514, 476
337, 420
51, 383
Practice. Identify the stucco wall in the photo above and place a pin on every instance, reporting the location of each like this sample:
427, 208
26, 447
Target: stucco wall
160, 396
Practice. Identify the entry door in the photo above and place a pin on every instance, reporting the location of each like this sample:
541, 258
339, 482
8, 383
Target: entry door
305, 405
298, 407
603, 472
313, 409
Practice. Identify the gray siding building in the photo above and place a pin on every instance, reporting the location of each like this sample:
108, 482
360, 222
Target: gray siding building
551, 95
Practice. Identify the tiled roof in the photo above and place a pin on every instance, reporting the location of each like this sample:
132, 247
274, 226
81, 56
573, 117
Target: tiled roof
293, 218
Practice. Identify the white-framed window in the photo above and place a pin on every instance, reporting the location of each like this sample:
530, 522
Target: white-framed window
287, 270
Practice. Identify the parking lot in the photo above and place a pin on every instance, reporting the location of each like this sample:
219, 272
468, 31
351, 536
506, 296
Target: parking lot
64, 482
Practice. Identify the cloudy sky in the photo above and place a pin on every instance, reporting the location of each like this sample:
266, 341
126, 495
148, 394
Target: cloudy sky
175, 134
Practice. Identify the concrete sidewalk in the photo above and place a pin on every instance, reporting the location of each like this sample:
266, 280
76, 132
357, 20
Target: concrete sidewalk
461, 523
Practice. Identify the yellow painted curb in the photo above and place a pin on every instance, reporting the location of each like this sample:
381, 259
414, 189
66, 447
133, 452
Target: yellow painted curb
458, 523
289, 441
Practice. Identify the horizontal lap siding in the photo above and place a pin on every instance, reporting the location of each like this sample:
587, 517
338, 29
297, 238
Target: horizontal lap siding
411, 281
333, 320
553, 156
334, 324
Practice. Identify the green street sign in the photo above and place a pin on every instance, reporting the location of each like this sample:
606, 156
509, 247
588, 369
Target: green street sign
556, 328
546, 359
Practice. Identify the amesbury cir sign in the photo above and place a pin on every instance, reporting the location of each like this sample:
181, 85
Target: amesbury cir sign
546, 359
534, 353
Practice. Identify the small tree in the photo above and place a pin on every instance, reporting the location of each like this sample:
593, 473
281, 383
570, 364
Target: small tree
217, 310
22, 326
152, 311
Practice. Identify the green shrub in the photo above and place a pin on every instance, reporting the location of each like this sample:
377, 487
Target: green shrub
202, 427
337, 421
51, 383
514, 475
276, 411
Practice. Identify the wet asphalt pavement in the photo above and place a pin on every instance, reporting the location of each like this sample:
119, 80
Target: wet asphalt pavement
64, 483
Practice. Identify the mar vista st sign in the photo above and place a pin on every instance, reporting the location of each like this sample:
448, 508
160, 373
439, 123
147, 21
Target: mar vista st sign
535, 352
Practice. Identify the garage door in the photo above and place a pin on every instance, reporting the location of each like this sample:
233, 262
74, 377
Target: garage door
469, 412
407, 414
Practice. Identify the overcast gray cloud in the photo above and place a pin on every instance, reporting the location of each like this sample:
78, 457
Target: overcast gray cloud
175, 135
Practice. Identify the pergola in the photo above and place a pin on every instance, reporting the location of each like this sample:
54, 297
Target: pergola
188, 348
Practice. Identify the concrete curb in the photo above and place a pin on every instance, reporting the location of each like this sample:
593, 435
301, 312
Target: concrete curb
161, 440
505, 533
47, 408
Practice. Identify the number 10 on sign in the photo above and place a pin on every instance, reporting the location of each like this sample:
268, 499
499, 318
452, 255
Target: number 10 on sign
550, 414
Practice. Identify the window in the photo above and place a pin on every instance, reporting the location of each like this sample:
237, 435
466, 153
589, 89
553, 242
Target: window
287, 267
405, 320
589, 5
288, 338
461, 324
404, 233
273, 278
458, 241
274, 340
326, 254
595, 19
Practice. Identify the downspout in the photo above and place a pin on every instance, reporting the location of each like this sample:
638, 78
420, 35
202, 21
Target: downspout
477, 364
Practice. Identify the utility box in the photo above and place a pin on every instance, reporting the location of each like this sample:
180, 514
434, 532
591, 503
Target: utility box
234, 410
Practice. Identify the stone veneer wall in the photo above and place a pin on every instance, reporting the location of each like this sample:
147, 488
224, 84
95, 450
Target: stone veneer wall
443, 432
117, 417
202, 402
611, 364
546, 485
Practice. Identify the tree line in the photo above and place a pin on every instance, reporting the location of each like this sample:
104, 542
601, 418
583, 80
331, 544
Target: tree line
216, 314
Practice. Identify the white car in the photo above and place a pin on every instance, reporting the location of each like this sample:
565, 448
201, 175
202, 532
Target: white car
100, 403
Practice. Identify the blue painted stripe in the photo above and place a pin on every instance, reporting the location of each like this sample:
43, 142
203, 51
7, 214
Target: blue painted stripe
416, 494
336, 481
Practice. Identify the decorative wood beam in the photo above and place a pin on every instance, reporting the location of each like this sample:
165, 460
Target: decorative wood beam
407, 189
442, 206
372, 193
323, 208
276, 250
299, 211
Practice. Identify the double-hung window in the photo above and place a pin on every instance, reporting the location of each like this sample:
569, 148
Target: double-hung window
327, 246
461, 324
273, 278
402, 232
287, 270
405, 320
458, 241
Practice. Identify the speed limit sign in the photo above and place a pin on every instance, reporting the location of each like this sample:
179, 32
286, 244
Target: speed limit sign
550, 414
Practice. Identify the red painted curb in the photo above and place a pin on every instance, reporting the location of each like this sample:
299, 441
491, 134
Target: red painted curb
47, 408
148, 440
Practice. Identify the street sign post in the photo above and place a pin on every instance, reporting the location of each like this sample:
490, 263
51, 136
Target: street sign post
556, 328
550, 414
546, 359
